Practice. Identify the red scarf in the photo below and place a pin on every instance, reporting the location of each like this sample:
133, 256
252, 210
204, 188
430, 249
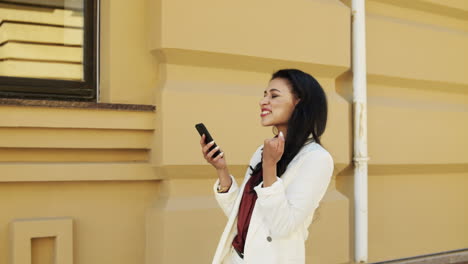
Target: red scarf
249, 197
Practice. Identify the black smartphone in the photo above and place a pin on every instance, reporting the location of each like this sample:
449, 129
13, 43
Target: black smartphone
202, 130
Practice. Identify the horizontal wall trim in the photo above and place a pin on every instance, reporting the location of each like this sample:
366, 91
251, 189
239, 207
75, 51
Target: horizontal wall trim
409, 169
442, 10
43, 5
244, 62
40, 43
43, 61
80, 105
394, 81
401, 169
40, 172
75, 118
37, 24
75, 138
73, 155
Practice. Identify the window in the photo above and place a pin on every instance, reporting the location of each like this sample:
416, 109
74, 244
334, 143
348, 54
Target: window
48, 49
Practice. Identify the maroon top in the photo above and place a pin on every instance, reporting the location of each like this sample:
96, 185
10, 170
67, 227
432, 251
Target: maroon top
249, 197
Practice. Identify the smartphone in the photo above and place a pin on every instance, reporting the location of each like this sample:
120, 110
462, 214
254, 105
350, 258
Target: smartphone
202, 130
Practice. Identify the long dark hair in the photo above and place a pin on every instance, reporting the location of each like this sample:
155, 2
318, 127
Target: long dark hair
309, 116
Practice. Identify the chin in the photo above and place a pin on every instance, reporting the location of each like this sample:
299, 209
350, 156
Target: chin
265, 124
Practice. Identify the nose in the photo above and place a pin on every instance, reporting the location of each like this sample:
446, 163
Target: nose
263, 101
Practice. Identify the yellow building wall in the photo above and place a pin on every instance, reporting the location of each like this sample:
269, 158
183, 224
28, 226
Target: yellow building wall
417, 126
132, 186
129, 71
76, 182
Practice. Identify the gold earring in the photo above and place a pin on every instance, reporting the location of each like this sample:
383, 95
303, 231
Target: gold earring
273, 130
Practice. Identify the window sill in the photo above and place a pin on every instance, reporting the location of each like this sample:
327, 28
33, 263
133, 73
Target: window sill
81, 105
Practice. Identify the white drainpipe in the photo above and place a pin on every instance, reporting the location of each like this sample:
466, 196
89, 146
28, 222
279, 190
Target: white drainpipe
360, 131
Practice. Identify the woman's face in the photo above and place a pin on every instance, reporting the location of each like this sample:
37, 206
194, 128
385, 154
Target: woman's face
277, 104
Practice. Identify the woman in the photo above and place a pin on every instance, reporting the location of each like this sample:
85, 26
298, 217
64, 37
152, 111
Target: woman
269, 214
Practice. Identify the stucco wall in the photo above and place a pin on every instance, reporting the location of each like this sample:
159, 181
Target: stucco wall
135, 184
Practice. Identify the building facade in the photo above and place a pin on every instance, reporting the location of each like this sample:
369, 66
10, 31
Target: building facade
119, 177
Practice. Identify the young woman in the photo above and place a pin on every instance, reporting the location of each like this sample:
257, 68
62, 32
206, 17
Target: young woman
269, 214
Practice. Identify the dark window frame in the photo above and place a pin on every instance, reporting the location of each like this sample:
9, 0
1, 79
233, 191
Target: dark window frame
51, 89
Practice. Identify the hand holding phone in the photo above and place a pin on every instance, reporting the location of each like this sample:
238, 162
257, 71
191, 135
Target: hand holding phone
210, 150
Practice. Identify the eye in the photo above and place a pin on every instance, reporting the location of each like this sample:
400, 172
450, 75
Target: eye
272, 96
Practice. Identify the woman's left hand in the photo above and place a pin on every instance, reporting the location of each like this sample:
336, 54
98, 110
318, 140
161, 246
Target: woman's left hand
273, 149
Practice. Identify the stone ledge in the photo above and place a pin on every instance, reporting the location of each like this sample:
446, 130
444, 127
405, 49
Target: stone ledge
70, 104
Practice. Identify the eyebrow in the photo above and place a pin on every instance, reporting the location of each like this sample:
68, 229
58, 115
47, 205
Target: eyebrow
272, 89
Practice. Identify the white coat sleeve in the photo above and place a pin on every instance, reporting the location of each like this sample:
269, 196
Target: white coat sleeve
284, 210
226, 200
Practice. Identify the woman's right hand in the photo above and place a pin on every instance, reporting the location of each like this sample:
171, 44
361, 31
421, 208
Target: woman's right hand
219, 162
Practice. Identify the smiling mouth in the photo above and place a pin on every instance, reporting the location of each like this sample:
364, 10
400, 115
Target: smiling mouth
265, 113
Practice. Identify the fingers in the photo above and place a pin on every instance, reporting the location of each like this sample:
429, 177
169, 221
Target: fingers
220, 155
275, 144
209, 155
202, 140
212, 152
206, 147
270, 143
281, 142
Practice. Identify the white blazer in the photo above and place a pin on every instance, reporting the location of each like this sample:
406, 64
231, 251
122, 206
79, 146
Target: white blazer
282, 213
